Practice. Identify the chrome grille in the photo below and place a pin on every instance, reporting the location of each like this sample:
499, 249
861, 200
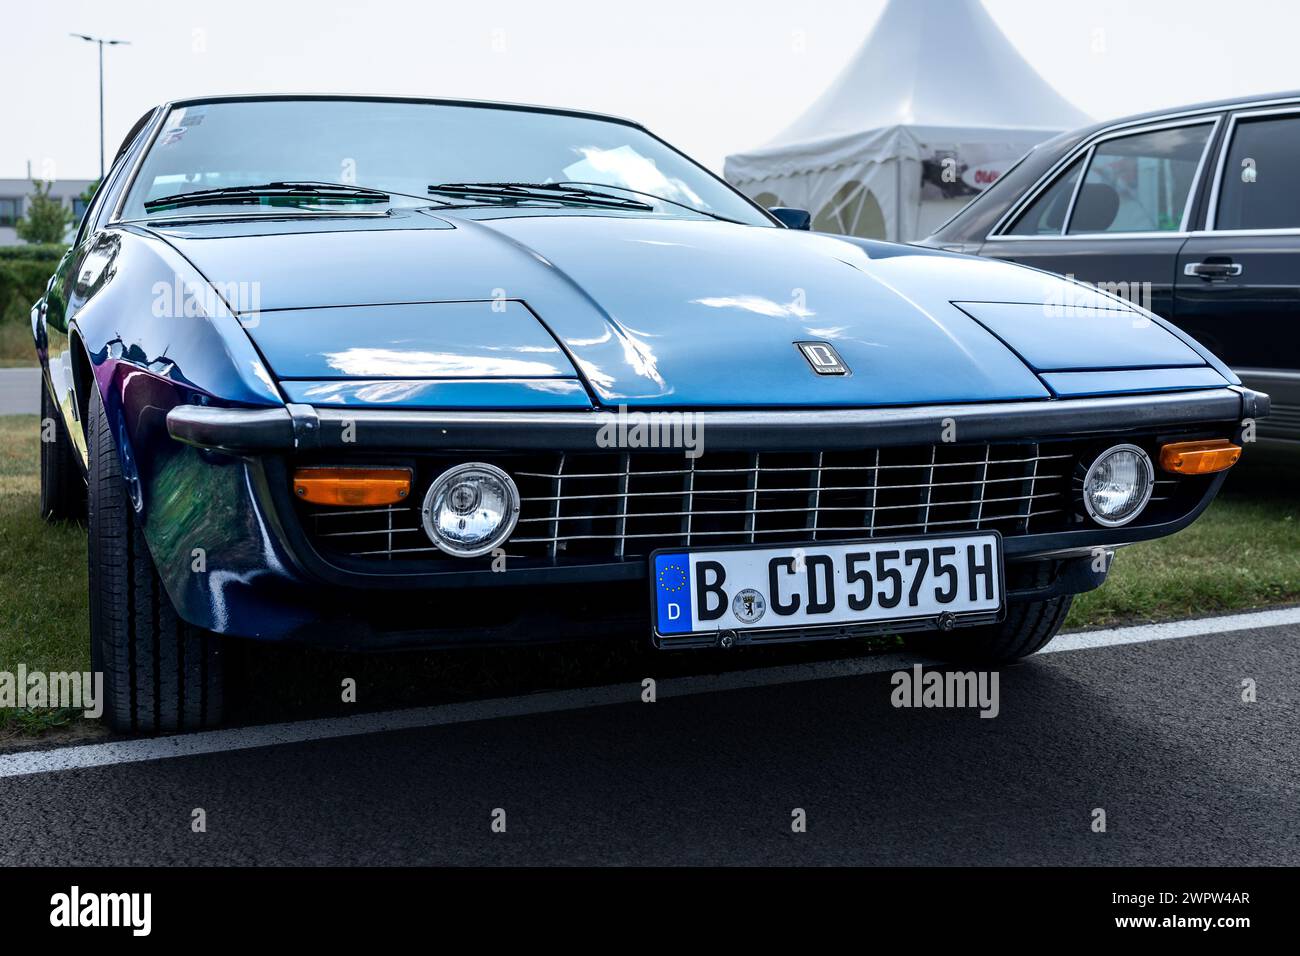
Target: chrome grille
616, 505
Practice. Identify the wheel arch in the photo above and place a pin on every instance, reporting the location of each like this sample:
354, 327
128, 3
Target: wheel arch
83, 378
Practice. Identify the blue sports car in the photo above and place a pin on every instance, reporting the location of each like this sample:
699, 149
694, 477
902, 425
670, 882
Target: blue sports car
372, 372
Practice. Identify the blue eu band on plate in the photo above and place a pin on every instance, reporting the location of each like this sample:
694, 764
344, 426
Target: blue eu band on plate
796, 588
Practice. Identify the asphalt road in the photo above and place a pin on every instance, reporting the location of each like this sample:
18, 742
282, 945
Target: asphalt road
1155, 734
19, 394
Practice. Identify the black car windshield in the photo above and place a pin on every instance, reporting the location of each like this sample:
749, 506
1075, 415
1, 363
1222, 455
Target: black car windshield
404, 147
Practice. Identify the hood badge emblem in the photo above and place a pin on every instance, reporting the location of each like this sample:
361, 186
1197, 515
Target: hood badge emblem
823, 358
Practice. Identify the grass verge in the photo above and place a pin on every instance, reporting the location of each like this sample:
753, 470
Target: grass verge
43, 616
16, 348
1244, 552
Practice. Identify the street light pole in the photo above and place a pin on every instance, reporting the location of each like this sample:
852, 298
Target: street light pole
101, 43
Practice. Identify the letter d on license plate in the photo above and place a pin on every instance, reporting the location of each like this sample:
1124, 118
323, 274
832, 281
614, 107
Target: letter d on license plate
956, 579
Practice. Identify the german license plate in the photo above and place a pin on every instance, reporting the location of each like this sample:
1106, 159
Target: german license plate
734, 591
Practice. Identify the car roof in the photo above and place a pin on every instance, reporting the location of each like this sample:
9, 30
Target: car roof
1209, 106
384, 98
974, 220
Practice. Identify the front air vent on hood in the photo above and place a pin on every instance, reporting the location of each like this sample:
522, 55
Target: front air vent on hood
488, 339
1053, 337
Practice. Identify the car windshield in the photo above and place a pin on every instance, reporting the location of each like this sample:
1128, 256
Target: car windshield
403, 148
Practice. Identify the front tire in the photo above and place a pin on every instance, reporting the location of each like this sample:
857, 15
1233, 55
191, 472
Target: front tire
63, 489
1026, 629
160, 672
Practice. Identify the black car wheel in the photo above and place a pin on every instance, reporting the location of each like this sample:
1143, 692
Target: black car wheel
63, 487
1026, 629
160, 673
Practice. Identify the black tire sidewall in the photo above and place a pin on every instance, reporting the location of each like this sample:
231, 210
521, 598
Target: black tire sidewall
108, 526
62, 491
160, 672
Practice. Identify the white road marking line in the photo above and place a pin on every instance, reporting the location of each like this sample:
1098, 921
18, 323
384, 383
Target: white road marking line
270, 735
18, 391
1141, 633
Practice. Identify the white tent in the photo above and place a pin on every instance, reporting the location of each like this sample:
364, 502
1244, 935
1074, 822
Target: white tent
931, 109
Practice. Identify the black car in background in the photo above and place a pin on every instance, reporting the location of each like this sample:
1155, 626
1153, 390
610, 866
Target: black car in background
1193, 213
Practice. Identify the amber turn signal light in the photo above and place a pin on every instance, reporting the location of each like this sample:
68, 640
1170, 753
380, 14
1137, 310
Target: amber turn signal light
1199, 457
352, 486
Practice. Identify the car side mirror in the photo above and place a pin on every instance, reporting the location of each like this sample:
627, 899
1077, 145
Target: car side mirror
792, 218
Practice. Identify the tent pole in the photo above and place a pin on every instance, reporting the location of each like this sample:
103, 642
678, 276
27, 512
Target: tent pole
898, 200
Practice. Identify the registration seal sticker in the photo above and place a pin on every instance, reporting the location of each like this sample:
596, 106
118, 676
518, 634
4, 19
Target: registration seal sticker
748, 606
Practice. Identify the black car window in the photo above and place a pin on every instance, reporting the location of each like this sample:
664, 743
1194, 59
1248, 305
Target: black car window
1258, 189
11, 210
1140, 183
106, 192
1046, 214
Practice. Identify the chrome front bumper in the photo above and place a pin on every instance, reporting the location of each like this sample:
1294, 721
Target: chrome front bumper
305, 427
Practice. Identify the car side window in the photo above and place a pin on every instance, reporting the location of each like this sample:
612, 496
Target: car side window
1140, 183
92, 214
1046, 214
109, 189
1258, 191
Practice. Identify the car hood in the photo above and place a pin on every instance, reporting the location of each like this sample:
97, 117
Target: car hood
649, 311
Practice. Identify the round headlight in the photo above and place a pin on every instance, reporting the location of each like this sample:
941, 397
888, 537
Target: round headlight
470, 509
1118, 485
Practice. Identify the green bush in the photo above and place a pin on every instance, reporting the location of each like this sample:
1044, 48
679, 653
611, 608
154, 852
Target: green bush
24, 271
22, 282
36, 253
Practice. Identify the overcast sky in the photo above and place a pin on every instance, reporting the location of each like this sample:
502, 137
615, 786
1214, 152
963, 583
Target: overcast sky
710, 77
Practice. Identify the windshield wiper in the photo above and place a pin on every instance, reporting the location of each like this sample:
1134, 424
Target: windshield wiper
671, 202
514, 192
272, 194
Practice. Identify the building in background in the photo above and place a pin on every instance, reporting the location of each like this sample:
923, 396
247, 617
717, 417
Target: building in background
15, 194
933, 107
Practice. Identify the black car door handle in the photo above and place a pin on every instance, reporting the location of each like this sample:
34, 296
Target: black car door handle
1212, 270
